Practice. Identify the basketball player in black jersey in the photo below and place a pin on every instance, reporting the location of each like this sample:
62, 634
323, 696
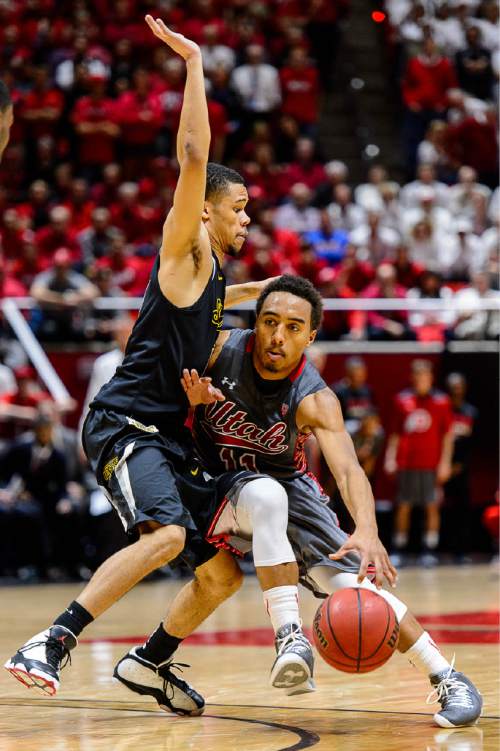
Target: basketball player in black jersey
271, 400
134, 434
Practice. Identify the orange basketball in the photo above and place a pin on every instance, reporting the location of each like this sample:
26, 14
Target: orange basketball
355, 630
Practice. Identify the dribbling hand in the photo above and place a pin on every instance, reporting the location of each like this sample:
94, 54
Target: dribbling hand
200, 390
178, 43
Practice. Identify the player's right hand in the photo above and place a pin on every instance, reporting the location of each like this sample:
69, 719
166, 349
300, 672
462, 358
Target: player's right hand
177, 42
200, 390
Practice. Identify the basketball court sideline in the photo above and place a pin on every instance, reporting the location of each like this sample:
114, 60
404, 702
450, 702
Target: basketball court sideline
230, 660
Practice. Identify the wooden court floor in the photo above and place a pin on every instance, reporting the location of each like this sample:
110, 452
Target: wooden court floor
230, 659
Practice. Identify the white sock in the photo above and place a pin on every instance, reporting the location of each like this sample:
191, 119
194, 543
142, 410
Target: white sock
400, 540
431, 540
282, 604
425, 656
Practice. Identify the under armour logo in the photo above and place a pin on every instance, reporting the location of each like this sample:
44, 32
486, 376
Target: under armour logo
230, 384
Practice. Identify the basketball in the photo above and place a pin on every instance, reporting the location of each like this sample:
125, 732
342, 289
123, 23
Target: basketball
355, 630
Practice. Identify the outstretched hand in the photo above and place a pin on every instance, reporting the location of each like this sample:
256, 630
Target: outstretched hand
177, 42
369, 548
200, 390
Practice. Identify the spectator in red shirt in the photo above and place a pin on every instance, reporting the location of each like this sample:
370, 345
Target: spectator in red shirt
105, 193
305, 169
58, 234
9, 285
130, 272
219, 126
42, 106
28, 394
284, 240
473, 142
300, 88
79, 204
140, 114
38, 206
27, 265
353, 273
135, 214
308, 265
95, 118
264, 172
425, 84
384, 325
408, 273
11, 230
420, 450
265, 260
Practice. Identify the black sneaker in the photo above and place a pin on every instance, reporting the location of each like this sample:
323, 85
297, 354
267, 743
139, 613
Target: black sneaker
294, 662
39, 662
171, 692
461, 702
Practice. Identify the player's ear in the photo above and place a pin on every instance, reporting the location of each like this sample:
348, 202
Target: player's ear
205, 216
312, 337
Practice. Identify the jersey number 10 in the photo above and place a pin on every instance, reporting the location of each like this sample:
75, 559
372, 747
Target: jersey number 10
245, 461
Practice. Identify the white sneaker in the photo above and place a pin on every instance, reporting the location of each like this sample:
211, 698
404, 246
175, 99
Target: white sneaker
38, 663
145, 678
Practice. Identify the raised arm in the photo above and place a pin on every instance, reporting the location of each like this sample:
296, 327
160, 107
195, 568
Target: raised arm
321, 414
182, 231
238, 293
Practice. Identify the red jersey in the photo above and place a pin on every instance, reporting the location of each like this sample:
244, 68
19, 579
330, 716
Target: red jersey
95, 148
421, 423
426, 83
300, 93
141, 119
39, 100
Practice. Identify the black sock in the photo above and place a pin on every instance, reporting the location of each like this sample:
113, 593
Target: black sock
159, 647
75, 618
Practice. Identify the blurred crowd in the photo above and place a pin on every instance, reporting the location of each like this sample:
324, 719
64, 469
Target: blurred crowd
448, 56
90, 171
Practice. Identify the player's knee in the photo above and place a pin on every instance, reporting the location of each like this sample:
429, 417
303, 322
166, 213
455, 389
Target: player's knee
265, 499
166, 543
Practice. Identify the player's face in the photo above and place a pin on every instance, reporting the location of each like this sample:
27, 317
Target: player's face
227, 222
282, 333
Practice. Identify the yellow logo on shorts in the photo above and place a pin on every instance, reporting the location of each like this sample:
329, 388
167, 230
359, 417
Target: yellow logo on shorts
194, 472
109, 468
140, 426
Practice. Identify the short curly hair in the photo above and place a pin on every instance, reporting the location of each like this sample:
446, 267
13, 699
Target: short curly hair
300, 287
218, 180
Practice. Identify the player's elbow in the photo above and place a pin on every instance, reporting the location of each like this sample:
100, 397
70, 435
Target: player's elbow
195, 152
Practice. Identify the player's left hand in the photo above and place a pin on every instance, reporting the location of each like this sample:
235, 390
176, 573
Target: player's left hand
200, 390
371, 551
177, 42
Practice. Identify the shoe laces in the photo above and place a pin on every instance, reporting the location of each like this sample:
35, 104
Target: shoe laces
451, 691
168, 685
55, 650
295, 635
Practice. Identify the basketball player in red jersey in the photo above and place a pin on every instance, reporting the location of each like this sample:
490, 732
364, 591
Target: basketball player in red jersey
273, 400
6, 117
